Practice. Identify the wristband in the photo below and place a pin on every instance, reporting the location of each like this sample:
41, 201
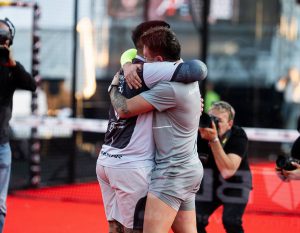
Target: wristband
111, 86
216, 139
128, 56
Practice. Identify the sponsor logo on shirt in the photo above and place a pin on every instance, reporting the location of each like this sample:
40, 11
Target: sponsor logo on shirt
110, 155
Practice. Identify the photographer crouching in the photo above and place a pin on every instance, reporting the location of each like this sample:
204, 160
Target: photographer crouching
227, 181
12, 76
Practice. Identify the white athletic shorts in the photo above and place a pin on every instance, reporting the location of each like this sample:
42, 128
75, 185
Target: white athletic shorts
122, 189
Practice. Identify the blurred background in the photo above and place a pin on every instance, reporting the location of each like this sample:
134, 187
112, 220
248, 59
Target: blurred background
73, 48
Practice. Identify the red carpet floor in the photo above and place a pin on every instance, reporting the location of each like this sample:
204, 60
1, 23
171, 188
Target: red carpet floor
53, 216
274, 207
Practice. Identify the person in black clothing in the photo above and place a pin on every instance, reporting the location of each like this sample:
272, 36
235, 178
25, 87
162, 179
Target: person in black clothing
227, 180
12, 76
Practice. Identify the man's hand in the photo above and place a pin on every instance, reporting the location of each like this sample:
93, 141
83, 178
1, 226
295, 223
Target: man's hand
11, 61
280, 174
132, 78
209, 133
201, 104
294, 174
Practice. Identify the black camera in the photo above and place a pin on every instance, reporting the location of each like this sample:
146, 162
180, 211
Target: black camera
285, 162
4, 52
4, 36
4, 55
206, 121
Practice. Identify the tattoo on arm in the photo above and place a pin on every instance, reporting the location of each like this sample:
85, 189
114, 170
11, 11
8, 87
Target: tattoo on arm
118, 101
115, 227
119, 229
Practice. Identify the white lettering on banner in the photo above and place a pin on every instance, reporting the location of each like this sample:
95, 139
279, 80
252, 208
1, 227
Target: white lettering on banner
241, 188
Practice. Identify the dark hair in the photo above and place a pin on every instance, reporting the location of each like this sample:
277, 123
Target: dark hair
143, 27
11, 28
162, 41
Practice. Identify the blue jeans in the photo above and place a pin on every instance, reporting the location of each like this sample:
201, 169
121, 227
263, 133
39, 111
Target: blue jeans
5, 167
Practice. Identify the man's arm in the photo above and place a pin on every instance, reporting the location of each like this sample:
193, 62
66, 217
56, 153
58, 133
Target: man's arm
127, 107
190, 71
185, 72
22, 79
227, 163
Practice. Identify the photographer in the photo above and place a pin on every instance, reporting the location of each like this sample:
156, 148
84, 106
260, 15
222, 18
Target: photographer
288, 168
227, 181
12, 76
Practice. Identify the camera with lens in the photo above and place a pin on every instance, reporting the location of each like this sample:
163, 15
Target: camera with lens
206, 121
4, 52
285, 162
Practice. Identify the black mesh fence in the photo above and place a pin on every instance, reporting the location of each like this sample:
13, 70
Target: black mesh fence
58, 155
